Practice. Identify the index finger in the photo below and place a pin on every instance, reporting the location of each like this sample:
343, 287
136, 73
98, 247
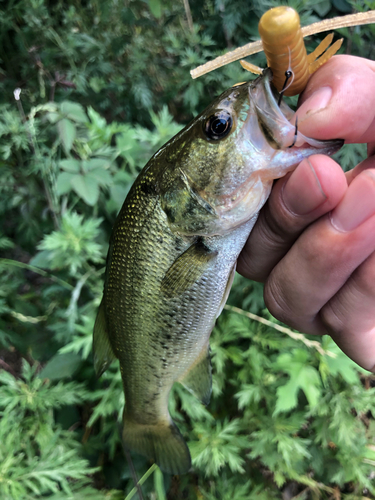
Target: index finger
339, 101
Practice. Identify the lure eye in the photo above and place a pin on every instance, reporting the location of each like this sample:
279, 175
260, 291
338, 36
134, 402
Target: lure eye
218, 125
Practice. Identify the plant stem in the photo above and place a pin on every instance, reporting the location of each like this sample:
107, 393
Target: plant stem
37, 270
141, 481
283, 329
35, 149
188, 15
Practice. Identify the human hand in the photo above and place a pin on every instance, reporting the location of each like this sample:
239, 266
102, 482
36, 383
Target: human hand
314, 242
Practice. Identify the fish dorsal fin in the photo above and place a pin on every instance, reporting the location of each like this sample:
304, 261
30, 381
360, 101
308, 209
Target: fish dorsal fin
187, 269
103, 353
198, 380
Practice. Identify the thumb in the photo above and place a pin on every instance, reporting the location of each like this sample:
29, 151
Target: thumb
339, 101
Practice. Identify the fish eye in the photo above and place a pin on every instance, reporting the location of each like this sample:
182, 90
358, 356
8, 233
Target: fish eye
218, 125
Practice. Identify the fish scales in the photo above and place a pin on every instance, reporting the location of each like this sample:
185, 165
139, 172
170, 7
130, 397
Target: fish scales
155, 318
173, 252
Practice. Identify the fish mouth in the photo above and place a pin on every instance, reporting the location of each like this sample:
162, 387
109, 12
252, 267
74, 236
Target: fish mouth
275, 119
275, 146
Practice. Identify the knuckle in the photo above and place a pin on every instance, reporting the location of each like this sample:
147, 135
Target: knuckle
276, 301
332, 319
364, 277
269, 237
320, 254
273, 229
280, 223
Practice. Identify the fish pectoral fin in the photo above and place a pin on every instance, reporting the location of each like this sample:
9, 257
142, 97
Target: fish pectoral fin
103, 353
162, 443
187, 269
198, 380
227, 290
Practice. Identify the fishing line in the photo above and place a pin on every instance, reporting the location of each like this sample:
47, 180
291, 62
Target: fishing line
288, 74
295, 133
130, 463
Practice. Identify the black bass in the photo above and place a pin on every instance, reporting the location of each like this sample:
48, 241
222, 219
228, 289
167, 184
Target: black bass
173, 254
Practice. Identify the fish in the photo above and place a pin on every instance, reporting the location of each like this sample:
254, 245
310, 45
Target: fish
173, 253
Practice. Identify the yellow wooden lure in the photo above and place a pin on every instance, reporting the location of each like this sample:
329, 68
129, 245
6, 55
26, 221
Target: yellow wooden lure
282, 42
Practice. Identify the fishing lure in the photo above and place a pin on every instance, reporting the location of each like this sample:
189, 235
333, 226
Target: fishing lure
283, 45
282, 42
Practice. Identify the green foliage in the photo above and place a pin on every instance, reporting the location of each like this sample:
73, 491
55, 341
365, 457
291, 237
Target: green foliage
103, 86
302, 376
36, 455
219, 445
72, 246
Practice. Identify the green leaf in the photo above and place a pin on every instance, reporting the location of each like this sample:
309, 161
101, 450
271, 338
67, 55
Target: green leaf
70, 165
249, 394
155, 7
118, 194
343, 6
73, 244
302, 376
279, 479
322, 8
95, 163
338, 365
64, 183
41, 259
103, 177
97, 120
97, 84
87, 188
67, 133
286, 397
123, 177
128, 146
74, 111
61, 366
53, 117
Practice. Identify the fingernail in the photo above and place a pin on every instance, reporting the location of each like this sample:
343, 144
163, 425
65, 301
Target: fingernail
358, 204
317, 101
303, 192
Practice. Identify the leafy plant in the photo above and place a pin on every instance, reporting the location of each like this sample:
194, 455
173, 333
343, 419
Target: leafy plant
36, 455
89, 91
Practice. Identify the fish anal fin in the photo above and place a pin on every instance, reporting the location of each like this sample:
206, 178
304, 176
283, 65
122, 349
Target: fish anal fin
103, 353
198, 380
162, 443
187, 269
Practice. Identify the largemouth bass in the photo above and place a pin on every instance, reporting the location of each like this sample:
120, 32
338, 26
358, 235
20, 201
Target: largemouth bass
173, 254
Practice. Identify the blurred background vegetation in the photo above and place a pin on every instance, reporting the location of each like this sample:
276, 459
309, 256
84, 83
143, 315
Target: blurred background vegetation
89, 90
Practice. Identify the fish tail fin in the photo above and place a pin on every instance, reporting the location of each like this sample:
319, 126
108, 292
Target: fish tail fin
162, 443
